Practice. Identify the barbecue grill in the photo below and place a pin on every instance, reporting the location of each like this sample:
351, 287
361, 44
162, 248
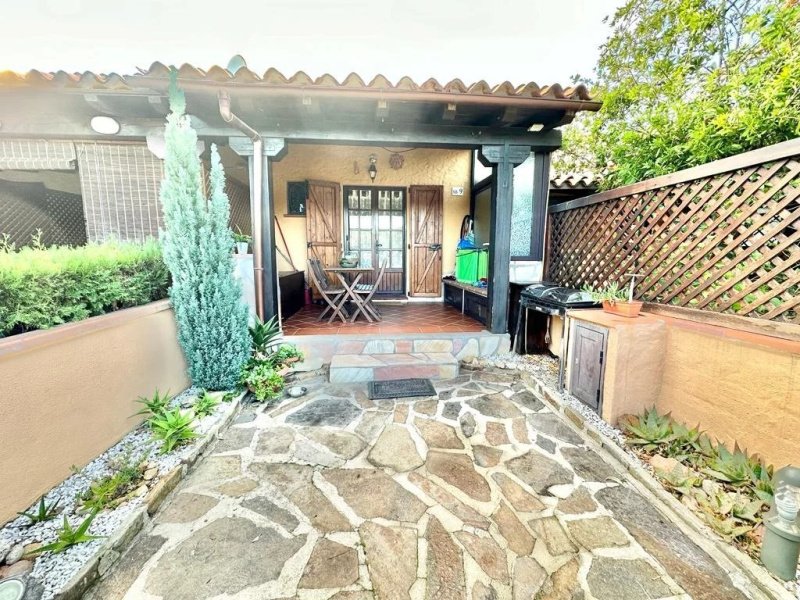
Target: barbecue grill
551, 299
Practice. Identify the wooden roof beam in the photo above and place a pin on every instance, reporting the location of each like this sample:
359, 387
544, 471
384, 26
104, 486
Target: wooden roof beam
510, 115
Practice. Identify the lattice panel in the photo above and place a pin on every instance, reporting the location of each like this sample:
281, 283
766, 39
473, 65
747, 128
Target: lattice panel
727, 242
28, 206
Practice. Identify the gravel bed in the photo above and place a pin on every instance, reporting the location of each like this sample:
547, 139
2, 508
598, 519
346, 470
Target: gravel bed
52, 571
545, 368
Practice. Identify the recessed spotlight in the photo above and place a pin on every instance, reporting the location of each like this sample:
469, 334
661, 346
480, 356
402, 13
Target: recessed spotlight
104, 125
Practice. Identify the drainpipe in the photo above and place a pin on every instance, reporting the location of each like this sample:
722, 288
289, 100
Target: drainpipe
224, 100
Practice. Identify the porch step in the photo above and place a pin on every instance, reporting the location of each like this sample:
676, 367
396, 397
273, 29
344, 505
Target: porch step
463, 345
349, 368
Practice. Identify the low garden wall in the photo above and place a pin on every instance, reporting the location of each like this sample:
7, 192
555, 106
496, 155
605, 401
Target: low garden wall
68, 393
739, 386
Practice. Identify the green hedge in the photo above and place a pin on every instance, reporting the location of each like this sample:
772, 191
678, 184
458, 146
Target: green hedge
43, 287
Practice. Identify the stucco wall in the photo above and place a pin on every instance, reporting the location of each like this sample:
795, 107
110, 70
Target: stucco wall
740, 387
68, 393
422, 166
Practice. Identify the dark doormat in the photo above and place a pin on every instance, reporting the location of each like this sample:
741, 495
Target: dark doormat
400, 388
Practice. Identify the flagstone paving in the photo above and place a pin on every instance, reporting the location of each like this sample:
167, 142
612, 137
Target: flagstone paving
481, 493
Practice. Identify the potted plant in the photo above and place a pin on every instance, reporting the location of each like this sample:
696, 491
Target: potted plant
242, 241
616, 300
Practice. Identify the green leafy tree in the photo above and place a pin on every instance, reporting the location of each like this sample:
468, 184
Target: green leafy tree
685, 82
197, 241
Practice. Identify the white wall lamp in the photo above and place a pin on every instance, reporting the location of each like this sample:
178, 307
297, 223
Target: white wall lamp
104, 125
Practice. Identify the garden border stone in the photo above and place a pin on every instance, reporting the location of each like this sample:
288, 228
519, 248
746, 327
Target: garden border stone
115, 545
728, 557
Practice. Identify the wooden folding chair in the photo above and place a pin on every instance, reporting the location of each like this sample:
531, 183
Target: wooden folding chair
368, 290
332, 295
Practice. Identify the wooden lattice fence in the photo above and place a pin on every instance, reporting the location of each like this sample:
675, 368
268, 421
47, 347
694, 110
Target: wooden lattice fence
722, 237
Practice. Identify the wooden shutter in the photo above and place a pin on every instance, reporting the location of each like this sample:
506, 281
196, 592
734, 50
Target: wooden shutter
426, 240
323, 222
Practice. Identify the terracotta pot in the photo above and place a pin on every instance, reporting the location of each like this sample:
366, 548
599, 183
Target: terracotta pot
623, 309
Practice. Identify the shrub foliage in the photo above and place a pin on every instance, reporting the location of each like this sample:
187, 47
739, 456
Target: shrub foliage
43, 287
197, 243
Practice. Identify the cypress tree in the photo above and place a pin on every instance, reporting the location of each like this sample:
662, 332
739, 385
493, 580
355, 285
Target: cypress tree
197, 241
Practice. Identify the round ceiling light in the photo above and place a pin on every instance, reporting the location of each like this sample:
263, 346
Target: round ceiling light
105, 125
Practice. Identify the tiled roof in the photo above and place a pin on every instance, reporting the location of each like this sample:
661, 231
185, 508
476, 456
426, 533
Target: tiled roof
274, 78
564, 181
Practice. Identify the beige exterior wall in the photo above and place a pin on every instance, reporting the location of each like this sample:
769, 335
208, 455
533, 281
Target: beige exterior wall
422, 166
68, 393
741, 388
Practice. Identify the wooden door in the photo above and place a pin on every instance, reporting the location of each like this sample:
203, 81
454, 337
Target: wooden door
375, 229
323, 222
426, 209
588, 349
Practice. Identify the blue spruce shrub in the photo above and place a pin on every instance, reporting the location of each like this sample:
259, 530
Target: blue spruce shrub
197, 241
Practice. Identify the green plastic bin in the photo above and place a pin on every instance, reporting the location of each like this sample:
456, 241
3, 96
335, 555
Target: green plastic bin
472, 265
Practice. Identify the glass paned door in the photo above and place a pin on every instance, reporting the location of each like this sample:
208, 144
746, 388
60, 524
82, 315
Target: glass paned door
375, 229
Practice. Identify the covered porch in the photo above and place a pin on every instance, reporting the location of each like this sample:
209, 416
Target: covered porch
355, 137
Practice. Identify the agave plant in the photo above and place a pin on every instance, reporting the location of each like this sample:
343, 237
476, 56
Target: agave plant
44, 512
264, 335
173, 427
686, 443
650, 430
155, 405
734, 468
68, 537
205, 404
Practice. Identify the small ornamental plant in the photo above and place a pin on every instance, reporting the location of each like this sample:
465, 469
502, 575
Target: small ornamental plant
265, 383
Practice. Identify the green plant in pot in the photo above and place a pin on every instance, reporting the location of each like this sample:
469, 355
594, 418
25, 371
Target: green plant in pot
242, 241
616, 300
262, 379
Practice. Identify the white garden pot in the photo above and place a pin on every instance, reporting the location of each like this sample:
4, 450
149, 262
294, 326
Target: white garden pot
241, 247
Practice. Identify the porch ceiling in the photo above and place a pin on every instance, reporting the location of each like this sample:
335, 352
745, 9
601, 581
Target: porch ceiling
61, 104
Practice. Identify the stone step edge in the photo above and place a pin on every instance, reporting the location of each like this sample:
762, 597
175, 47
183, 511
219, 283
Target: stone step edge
433, 358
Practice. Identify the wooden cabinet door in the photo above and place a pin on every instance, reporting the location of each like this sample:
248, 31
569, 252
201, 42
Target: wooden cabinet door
426, 239
588, 349
323, 222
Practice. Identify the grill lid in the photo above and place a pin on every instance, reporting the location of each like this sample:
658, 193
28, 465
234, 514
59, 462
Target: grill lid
555, 295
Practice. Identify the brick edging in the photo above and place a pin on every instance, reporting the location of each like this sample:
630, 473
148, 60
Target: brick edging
722, 553
115, 545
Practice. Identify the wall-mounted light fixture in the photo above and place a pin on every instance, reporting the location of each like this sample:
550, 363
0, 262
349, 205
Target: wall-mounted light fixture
373, 167
104, 125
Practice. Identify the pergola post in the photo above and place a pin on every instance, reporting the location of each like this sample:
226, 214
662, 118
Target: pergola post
267, 278
503, 158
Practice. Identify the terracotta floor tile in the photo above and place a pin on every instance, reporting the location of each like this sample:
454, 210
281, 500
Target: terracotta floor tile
396, 319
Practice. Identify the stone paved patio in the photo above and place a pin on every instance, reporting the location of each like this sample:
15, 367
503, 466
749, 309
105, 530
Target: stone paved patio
481, 493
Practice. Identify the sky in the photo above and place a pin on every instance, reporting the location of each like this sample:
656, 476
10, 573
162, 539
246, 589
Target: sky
545, 41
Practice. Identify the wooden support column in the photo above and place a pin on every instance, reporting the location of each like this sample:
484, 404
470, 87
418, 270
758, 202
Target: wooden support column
541, 191
503, 159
